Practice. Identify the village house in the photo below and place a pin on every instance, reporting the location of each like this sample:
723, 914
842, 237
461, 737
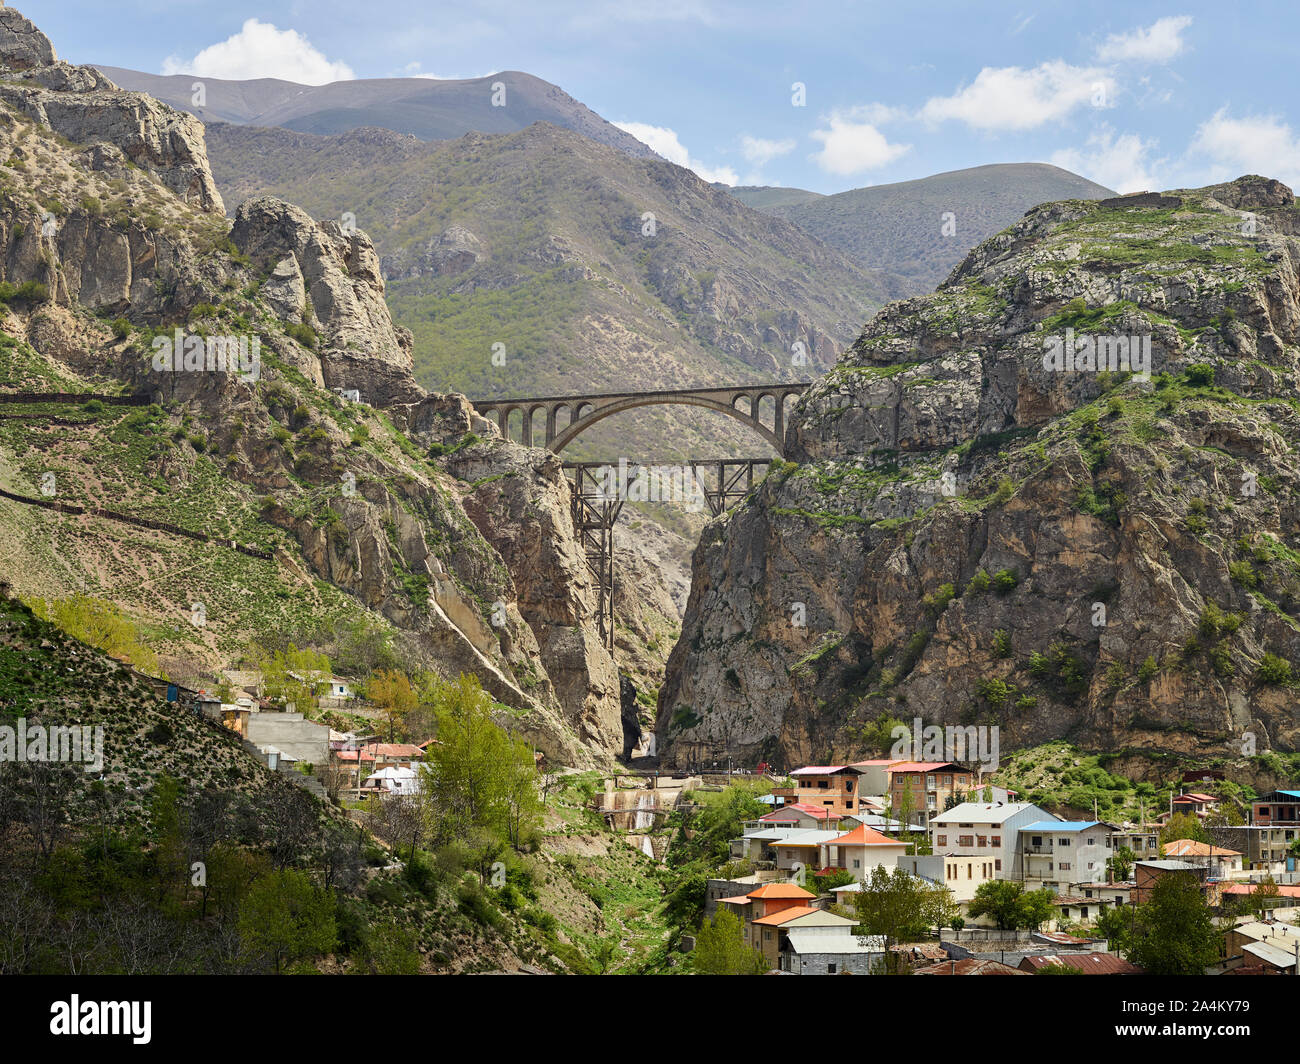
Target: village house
393, 779
1143, 843
860, 850
1194, 802
1271, 943
960, 873
831, 787
986, 829
1276, 818
924, 787
763, 901
873, 775
1146, 874
831, 950
1219, 863
771, 934
802, 850
1058, 854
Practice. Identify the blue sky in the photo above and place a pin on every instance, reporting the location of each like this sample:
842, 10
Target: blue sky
1133, 95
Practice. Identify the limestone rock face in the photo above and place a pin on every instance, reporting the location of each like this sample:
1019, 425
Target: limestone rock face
83, 105
22, 45
976, 533
359, 345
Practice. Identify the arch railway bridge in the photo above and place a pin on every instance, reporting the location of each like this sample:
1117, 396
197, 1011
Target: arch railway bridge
722, 482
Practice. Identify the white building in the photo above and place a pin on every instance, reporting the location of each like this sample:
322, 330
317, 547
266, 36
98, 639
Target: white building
1057, 854
986, 829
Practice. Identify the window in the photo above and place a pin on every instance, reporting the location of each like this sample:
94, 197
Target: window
1083, 911
1087, 893
998, 865
969, 872
997, 840
830, 968
857, 863
965, 840
1065, 866
1036, 840
848, 787
1092, 842
929, 782
1063, 842
848, 803
941, 840
983, 840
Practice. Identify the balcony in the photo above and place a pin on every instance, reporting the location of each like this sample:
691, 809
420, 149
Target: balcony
1038, 851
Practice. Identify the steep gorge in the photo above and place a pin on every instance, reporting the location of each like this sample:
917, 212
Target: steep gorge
969, 537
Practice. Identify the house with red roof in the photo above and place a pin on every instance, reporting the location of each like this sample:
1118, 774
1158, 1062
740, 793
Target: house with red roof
925, 787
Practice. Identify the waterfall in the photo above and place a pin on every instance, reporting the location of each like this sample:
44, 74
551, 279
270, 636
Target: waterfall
647, 847
644, 819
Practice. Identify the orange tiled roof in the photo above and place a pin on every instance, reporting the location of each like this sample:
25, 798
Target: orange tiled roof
864, 836
780, 890
786, 915
1192, 848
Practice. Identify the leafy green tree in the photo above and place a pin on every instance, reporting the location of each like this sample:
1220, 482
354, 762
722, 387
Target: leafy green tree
1262, 898
1174, 933
1183, 826
1011, 906
1119, 866
100, 624
720, 948
285, 918
392, 692
901, 907
479, 780
292, 676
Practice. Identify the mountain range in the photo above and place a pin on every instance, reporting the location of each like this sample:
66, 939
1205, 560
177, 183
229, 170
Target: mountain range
922, 229
428, 108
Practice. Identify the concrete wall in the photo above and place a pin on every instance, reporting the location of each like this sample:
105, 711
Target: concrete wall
291, 733
819, 963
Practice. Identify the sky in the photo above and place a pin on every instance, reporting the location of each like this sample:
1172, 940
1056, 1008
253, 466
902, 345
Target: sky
819, 95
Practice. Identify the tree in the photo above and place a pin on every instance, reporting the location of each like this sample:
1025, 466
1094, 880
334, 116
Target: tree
292, 676
1119, 866
1011, 906
98, 623
900, 907
392, 692
1262, 898
1183, 826
720, 948
477, 778
285, 918
1173, 933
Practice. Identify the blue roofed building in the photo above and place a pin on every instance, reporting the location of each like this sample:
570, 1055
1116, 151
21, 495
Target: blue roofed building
1060, 854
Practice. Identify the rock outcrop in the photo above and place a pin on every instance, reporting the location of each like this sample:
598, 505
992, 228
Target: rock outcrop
977, 532
81, 104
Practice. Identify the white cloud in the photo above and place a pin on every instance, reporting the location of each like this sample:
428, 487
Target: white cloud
1260, 144
666, 143
1119, 162
852, 144
1014, 98
1157, 43
260, 50
760, 152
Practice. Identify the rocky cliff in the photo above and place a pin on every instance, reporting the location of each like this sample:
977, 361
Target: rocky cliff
996, 516
403, 507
